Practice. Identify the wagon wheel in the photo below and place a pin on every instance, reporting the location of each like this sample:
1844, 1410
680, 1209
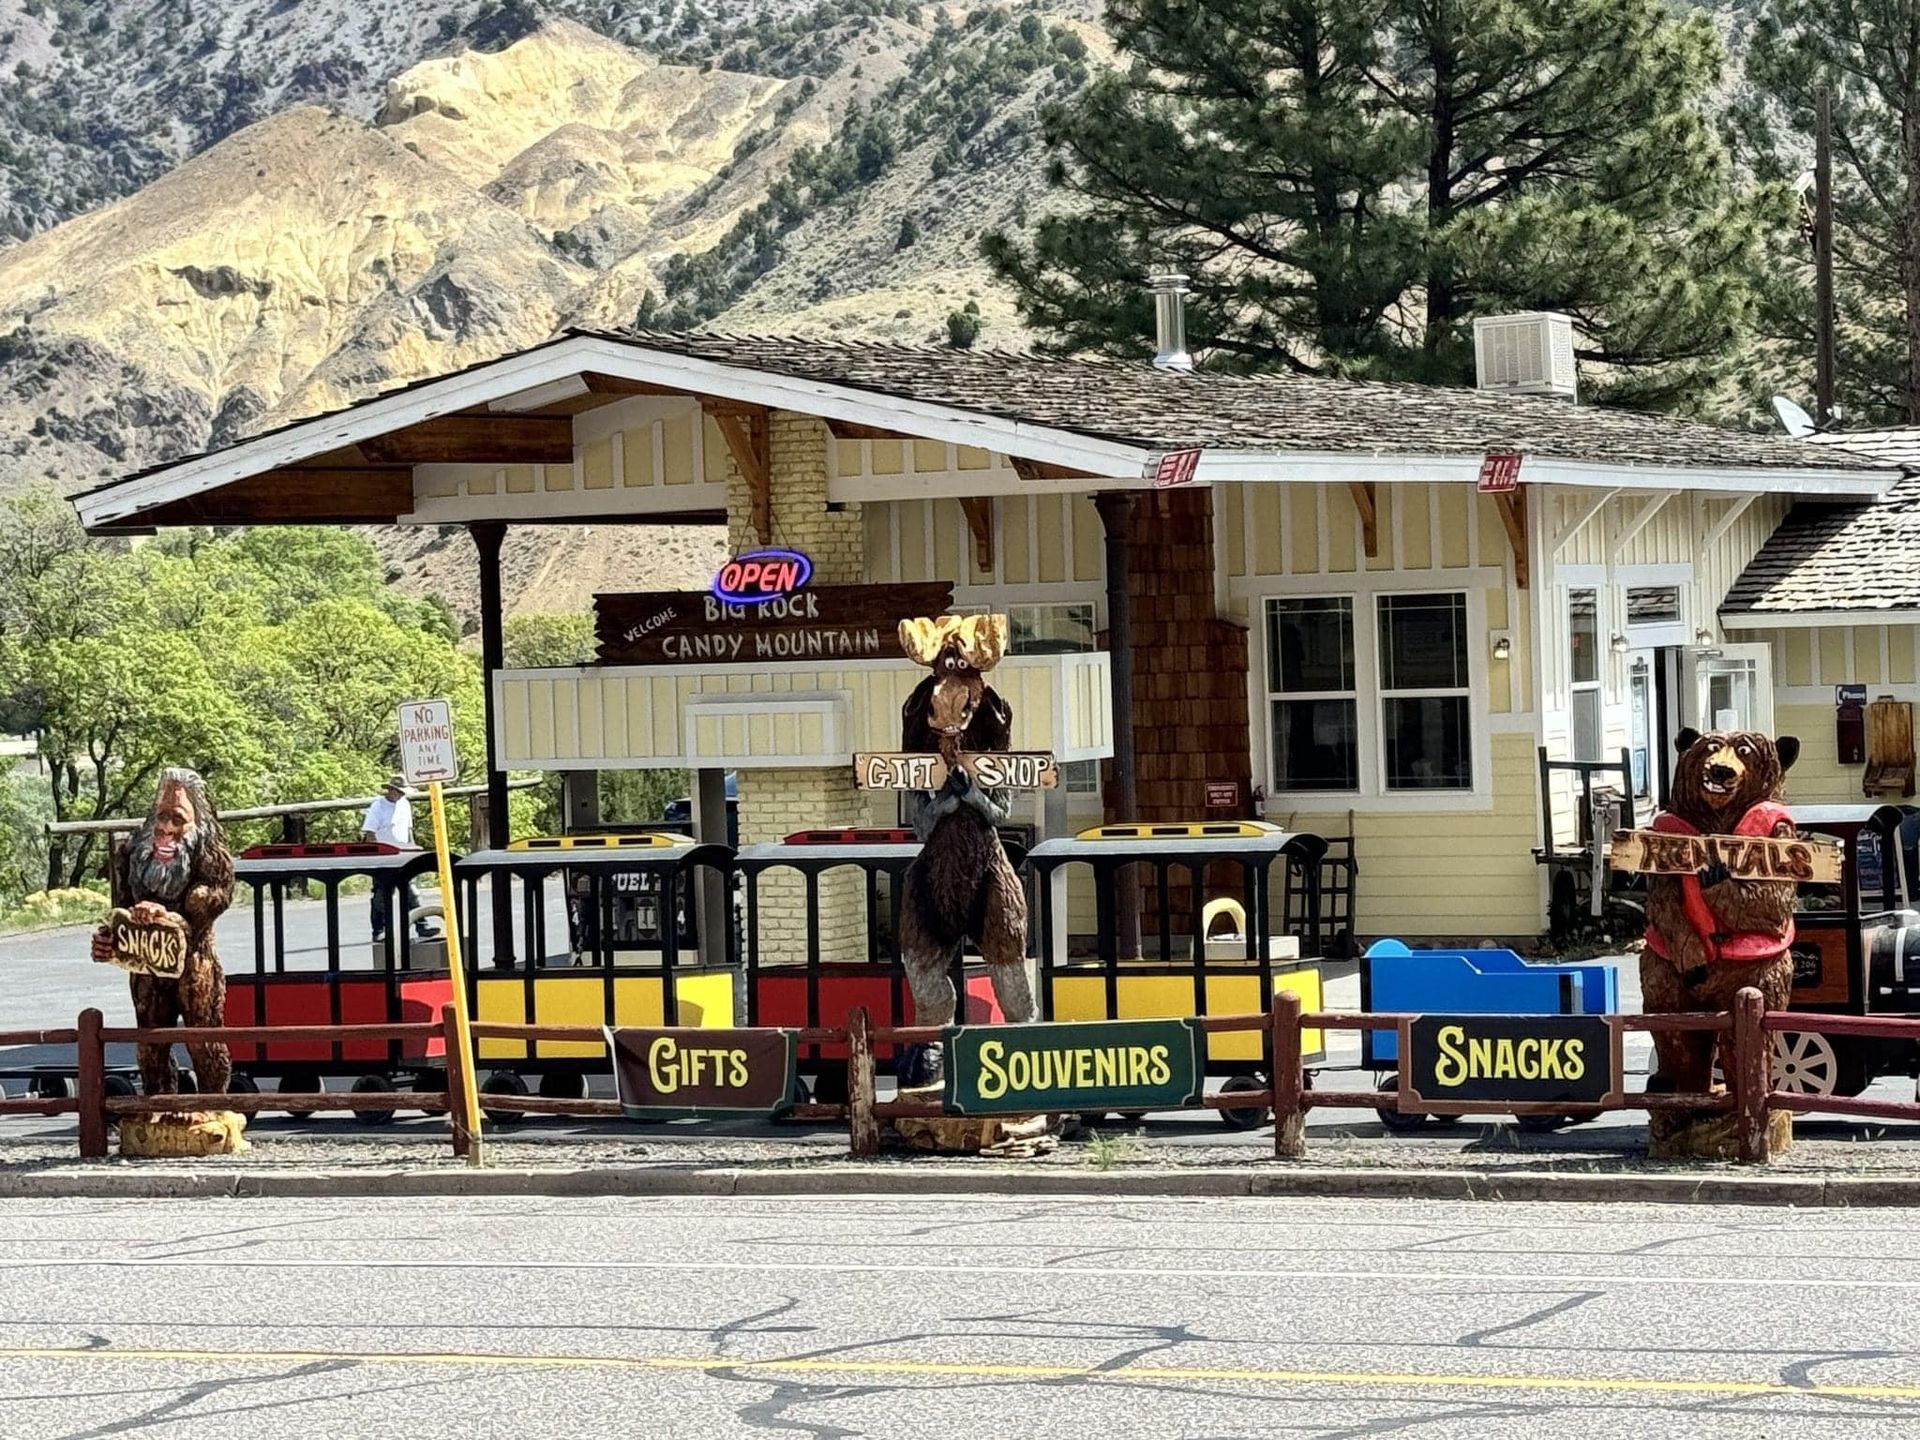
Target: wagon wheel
1395, 1122
1245, 1117
376, 1083
1805, 1062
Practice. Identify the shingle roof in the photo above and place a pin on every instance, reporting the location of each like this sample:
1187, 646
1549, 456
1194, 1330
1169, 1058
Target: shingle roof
1843, 557
1134, 403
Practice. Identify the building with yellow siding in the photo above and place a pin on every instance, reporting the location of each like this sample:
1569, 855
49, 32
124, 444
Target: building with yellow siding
1340, 620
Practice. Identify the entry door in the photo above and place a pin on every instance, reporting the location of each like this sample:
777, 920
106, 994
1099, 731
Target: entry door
1727, 687
1644, 739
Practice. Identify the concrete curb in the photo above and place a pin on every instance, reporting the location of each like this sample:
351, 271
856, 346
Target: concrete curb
967, 1178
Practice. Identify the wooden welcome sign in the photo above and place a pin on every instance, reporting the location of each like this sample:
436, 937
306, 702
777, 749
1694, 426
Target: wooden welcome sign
990, 769
821, 622
148, 948
1744, 857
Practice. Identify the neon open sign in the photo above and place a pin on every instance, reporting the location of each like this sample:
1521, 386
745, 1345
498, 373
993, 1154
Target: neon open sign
762, 575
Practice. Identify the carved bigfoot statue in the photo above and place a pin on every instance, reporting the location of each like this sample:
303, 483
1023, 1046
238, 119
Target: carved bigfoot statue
960, 886
178, 862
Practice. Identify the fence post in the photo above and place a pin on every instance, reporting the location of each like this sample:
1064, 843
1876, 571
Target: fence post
1289, 1115
91, 1068
1751, 1075
457, 1082
863, 1130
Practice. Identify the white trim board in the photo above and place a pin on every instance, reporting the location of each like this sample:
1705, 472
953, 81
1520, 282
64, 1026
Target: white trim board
1118, 465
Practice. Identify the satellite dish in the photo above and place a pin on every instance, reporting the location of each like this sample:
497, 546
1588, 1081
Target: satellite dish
1797, 421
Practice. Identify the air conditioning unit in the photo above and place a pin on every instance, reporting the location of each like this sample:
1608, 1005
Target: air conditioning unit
1526, 354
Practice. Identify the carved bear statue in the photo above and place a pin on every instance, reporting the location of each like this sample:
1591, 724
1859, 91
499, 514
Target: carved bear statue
1708, 934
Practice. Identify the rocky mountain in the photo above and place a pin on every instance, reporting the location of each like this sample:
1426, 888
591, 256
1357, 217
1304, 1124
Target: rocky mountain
222, 216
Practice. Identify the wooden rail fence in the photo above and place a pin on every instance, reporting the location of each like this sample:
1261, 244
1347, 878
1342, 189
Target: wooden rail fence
1748, 1027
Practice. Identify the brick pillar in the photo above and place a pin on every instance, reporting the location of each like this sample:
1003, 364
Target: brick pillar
1190, 722
775, 803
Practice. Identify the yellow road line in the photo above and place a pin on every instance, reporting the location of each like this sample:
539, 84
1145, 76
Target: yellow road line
860, 1365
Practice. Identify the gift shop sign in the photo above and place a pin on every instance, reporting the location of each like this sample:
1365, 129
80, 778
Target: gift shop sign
823, 622
671, 1073
1454, 1064
990, 769
1096, 1065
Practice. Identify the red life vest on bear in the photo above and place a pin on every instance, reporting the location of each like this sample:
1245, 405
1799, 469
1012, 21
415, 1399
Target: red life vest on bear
1749, 947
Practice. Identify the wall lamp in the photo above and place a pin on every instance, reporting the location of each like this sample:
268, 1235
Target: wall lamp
1620, 644
1502, 645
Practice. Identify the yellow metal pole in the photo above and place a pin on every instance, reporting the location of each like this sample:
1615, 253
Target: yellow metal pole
450, 925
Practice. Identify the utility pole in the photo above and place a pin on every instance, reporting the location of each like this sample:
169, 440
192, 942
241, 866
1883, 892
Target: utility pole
1823, 355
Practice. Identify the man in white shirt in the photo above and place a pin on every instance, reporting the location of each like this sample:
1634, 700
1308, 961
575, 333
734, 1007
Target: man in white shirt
389, 821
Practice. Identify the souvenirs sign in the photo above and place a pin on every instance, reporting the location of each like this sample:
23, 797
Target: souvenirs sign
990, 769
671, 1073
1452, 1064
1744, 857
141, 947
1095, 1065
823, 622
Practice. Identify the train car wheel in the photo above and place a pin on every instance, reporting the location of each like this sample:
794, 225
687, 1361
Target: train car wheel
830, 1085
1392, 1119
239, 1083
1542, 1124
52, 1087
432, 1081
119, 1087
1246, 1117
298, 1082
374, 1084
504, 1082
1805, 1062
563, 1087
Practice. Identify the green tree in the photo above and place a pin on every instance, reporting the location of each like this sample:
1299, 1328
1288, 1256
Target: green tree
1867, 52
1348, 185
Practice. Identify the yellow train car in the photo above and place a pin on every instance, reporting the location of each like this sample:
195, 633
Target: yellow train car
590, 930
1185, 967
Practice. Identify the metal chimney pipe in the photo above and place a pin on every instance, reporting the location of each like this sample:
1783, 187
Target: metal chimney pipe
1170, 321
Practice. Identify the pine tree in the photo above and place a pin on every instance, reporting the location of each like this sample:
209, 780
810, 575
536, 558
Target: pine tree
1867, 52
1350, 182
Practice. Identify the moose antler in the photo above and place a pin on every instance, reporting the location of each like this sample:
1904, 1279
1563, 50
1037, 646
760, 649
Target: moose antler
979, 640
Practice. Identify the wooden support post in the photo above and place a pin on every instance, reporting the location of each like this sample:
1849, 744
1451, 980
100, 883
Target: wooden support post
1512, 505
979, 512
458, 1079
1751, 1073
863, 1130
1289, 1082
92, 1067
1365, 501
749, 441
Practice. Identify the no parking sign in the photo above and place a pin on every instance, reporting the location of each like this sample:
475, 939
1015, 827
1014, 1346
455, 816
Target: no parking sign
426, 742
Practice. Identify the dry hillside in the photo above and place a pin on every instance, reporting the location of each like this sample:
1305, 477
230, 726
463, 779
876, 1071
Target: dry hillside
769, 168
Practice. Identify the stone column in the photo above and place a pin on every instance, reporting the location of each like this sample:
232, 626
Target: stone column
776, 802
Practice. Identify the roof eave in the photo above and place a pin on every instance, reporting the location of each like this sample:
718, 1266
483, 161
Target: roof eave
1810, 619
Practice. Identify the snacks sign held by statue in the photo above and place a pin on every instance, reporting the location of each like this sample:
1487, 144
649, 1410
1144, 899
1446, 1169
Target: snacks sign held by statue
175, 878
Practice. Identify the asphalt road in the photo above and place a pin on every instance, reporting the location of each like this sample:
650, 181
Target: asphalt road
870, 1316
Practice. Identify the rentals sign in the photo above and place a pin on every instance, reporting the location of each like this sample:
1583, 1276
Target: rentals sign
1452, 1064
670, 1073
1095, 1065
1744, 857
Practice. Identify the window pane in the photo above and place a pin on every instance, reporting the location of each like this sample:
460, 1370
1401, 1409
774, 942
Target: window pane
1426, 743
1586, 724
1315, 745
1309, 645
1081, 777
1653, 604
1065, 629
1640, 728
1583, 618
1423, 642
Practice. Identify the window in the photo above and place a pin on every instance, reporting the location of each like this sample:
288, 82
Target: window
1310, 680
1583, 632
1424, 701
1062, 629
1640, 727
1653, 605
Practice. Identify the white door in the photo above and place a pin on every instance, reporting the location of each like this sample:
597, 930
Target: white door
1727, 687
